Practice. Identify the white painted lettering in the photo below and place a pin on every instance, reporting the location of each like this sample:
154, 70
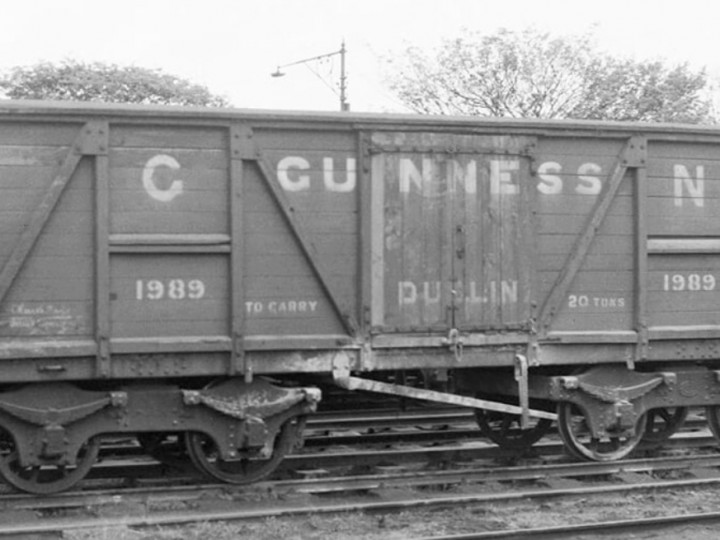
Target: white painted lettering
473, 297
433, 180
550, 184
281, 307
589, 183
427, 292
509, 292
300, 181
411, 176
501, 176
576, 301
174, 289
329, 176
493, 292
694, 187
467, 176
407, 293
148, 178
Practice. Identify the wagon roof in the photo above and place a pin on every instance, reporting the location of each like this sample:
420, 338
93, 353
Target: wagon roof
74, 111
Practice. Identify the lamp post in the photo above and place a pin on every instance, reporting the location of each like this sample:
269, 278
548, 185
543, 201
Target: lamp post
344, 105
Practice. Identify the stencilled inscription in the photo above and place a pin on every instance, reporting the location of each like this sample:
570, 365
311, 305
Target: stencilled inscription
158, 178
161, 177
688, 188
681, 282
584, 301
295, 307
420, 174
172, 289
44, 319
296, 173
428, 293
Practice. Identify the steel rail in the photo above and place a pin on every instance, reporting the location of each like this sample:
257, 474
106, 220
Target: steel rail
280, 509
463, 452
495, 474
604, 527
116, 470
379, 481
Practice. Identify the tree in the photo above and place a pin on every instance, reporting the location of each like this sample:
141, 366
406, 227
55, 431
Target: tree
646, 91
77, 81
535, 74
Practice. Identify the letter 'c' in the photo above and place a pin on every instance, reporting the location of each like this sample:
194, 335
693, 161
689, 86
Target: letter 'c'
162, 195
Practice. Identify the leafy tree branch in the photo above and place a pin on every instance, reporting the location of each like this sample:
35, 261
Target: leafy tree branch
78, 81
535, 74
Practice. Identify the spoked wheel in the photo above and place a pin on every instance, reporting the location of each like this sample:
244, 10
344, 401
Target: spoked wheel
712, 412
44, 479
205, 456
578, 440
662, 423
504, 429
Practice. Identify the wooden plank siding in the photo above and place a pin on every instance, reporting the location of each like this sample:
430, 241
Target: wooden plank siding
683, 203
450, 245
234, 233
283, 295
53, 293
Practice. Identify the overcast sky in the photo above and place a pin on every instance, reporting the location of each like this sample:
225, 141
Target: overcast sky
233, 46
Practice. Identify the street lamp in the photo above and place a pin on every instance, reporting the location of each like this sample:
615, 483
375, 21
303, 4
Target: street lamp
344, 105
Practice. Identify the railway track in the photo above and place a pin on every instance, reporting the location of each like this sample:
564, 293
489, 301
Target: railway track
412, 450
157, 509
126, 465
619, 527
163, 505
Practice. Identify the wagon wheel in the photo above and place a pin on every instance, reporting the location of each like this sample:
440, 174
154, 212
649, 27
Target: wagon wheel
662, 423
580, 443
712, 412
205, 456
504, 429
44, 479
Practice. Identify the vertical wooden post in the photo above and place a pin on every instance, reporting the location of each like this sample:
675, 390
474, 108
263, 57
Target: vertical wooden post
239, 136
102, 247
365, 227
641, 253
102, 266
377, 241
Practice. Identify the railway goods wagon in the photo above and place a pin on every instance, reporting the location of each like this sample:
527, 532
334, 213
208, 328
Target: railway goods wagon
203, 273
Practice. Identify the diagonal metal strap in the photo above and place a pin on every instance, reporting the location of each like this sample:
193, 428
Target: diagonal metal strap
356, 383
632, 156
247, 149
92, 140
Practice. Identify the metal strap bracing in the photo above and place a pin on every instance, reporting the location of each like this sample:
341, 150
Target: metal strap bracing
247, 149
238, 364
341, 376
92, 140
102, 245
633, 155
641, 267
